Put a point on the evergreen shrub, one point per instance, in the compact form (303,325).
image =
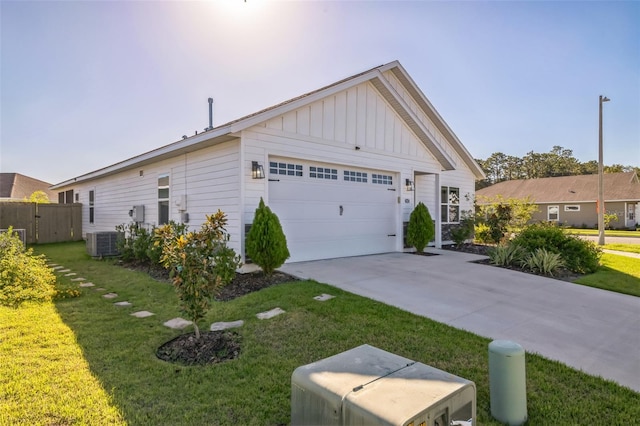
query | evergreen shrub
(421,229)
(266,243)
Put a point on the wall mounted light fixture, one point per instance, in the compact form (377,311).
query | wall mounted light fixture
(257,171)
(409,184)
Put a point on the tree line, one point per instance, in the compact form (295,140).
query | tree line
(557,162)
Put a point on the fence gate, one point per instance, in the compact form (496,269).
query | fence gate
(44,223)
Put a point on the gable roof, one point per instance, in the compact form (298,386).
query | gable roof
(567,189)
(228,131)
(16,186)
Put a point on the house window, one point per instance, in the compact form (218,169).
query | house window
(163,199)
(553,213)
(381,179)
(351,176)
(65,197)
(286,169)
(92,196)
(572,208)
(449,204)
(323,173)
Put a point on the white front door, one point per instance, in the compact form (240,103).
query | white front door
(329,211)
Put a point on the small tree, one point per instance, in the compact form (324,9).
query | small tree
(200,264)
(266,242)
(40,197)
(421,229)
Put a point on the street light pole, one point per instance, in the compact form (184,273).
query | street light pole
(600,175)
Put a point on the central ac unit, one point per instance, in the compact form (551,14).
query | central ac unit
(101,244)
(369,386)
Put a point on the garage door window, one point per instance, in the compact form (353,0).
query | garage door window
(286,169)
(381,179)
(351,176)
(323,173)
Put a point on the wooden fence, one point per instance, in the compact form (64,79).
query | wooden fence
(44,223)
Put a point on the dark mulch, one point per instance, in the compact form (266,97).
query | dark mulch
(247,283)
(211,348)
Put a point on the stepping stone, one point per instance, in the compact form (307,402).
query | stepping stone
(270,314)
(218,326)
(70,274)
(323,297)
(142,314)
(99,288)
(63,270)
(87,285)
(51,265)
(110,295)
(177,323)
(123,304)
(78,279)
(55,268)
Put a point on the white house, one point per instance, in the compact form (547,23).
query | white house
(342,167)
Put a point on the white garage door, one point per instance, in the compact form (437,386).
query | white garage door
(329,211)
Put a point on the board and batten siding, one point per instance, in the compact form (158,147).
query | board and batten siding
(426,121)
(209,177)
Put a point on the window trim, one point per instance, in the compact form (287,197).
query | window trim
(557,207)
(574,208)
(162,201)
(444,202)
(92,200)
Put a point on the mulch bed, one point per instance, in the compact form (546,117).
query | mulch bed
(211,348)
(562,274)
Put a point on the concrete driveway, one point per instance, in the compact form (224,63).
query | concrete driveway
(589,329)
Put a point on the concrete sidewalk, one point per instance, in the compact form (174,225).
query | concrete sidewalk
(589,329)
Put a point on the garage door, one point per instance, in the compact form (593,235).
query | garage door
(329,211)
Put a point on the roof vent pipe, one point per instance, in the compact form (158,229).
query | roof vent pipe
(210,114)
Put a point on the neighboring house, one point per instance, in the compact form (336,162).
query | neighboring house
(572,200)
(17,187)
(342,167)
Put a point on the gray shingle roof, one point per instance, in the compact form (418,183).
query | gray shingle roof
(581,188)
(16,186)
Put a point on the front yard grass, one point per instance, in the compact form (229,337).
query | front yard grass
(607,232)
(630,248)
(616,273)
(112,357)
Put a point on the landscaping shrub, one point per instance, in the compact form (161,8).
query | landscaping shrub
(200,264)
(134,242)
(266,243)
(420,229)
(23,275)
(542,262)
(502,217)
(506,255)
(579,255)
(461,233)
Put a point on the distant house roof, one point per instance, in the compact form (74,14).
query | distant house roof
(229,131)
(567,189)
(14,186)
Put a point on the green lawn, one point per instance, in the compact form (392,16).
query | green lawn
(98,362)
(617,273)
(607,232)
(631,248)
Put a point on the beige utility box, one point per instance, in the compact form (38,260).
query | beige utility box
(369,386)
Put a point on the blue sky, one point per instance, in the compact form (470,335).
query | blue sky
(85,84)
